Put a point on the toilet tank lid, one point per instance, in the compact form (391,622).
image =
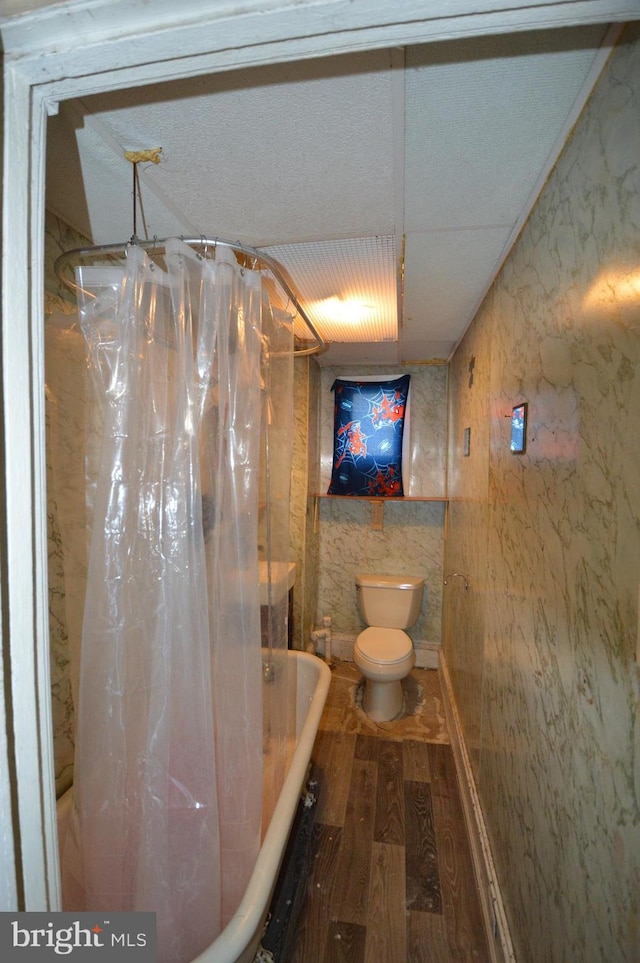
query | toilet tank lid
(390,581)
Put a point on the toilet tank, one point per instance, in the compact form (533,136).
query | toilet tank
(391,601)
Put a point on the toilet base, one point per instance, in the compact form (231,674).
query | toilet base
(382,701)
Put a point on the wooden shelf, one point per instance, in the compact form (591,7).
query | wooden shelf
(389,499)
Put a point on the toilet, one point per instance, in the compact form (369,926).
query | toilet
(384,652)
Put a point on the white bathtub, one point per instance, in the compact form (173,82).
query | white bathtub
(240,939)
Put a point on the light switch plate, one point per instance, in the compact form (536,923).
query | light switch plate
(377,515)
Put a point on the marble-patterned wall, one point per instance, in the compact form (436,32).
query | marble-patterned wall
(304,541)
(466,545)
(411,541)
(541,647)
(65,384)
(312,541)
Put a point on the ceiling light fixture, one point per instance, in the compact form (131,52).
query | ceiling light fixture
(362,272)
(348,311)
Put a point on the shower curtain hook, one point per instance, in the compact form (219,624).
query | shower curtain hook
(294,305)
(240,253)
(152,264)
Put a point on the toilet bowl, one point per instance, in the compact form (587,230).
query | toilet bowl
(383,652)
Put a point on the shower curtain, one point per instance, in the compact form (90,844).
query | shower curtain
(168,771)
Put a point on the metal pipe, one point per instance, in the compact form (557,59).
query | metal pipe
(262,261)
(457,575)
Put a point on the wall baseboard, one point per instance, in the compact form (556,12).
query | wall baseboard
(495,920)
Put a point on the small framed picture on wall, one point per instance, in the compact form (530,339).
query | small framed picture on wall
(519,428)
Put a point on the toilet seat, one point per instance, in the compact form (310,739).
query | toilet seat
(381,645)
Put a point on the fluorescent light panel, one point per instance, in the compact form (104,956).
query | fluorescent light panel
(346,286)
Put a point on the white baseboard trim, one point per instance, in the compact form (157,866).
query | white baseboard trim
(495,920)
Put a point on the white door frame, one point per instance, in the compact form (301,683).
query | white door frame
(74,49)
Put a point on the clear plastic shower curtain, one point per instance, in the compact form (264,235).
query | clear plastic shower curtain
(275,480)
(168,768)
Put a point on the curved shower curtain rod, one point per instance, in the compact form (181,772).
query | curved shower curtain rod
(157,245)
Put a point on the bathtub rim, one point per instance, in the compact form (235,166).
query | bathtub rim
(232,941)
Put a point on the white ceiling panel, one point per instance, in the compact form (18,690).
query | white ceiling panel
(90,185)
(438,149)
(425,352)
(287,153)
(482,120)
(363,353)
(449,272)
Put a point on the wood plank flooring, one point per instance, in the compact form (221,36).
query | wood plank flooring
(392,879)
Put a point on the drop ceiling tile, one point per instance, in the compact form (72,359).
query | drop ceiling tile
(482,118)
(90,187)
(447,272)
(285,153)
(423,351)
(359,354)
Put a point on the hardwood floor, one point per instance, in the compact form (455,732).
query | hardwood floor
(391,879)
